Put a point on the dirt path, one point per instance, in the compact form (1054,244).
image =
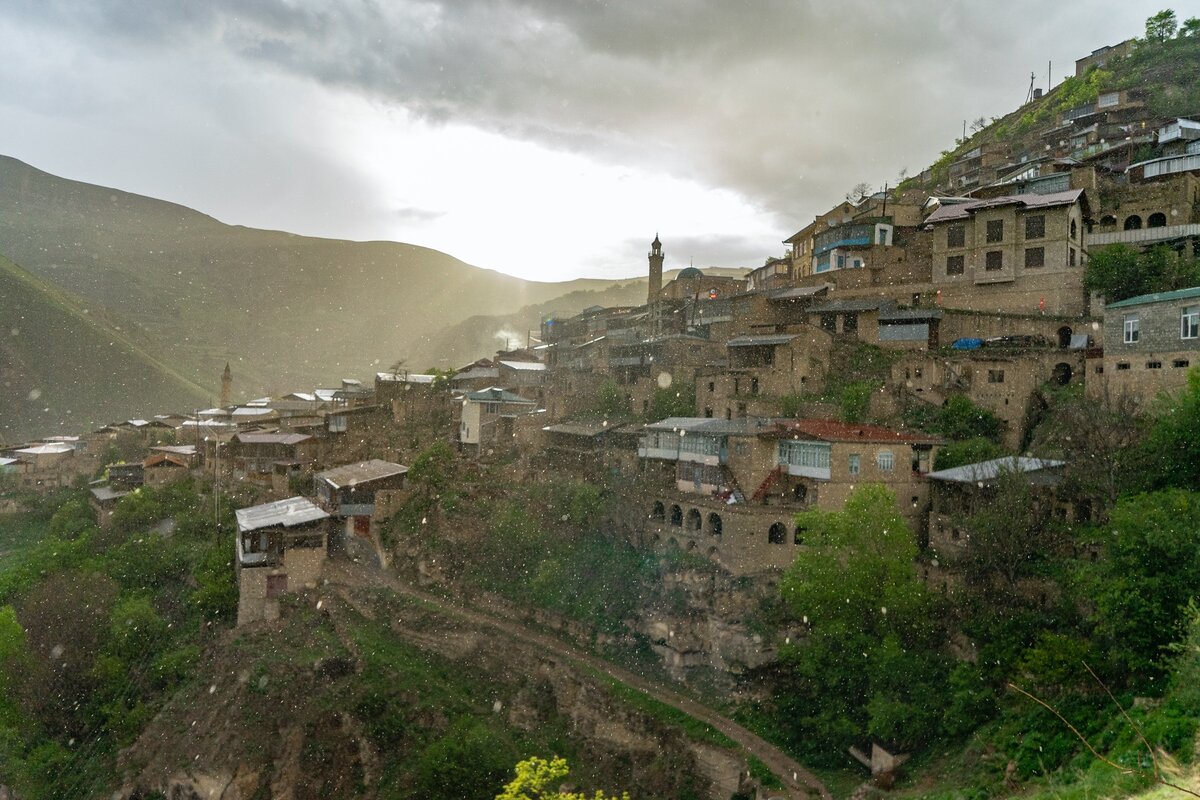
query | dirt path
(800,783)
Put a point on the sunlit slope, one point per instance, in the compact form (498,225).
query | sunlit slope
(63,369)
(286,311)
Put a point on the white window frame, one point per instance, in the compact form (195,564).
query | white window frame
(885,460)
(1131,328)
(854,463)
(1189,322)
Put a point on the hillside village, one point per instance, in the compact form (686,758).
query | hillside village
(733,399)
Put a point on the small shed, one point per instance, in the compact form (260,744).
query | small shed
(280,547)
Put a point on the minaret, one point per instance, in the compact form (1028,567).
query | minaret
(656,265)
(226,386)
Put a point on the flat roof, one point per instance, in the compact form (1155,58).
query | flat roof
(271,438)
(755,341)
(363,471)
(836,431)
(287,513)
(989,470)
(531,366)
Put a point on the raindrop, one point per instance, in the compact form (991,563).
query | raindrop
(212,689)
(34,394)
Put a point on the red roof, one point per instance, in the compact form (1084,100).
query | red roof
(830,430)
(165,458)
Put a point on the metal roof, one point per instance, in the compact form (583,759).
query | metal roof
(989,470)
(106,493)
(907,314)
(494,395)
(411,377)
(363,471)
(287,513)
(678,424)
(852,304)
(1157,297)
(272,438)
(755,341)
(533,366)
(589,429)
(46,449)
(476,372)
(797,291)
(959,211)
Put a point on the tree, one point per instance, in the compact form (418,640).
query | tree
(677,400)
(1190,27)
(871,664)
(538,779)
(1144,584)
(1161,26)
(978,124)
(859,192)
(1171,450)
(611,403)
(968,451)
(1119,271)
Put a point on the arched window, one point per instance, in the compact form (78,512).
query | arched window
(1074,229)
(1108,221)
(1157,220)
(1133,223)
(714,524)
(659,512)
(777,534)
(676,515)
(693,520)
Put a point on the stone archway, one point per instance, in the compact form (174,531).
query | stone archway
(777,534)
(715,525)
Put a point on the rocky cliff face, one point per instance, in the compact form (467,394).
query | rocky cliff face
(278,713)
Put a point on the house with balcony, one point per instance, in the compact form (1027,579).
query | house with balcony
(253,455)
(279,548)
(488,418)
(844,246)
(350,492)
(1151,342)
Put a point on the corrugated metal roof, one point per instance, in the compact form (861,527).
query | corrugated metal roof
(756,341)
(1157,297)
(909,314)
(105,493)
(678,424)
(989,470)
(46,449)
(530,366)
(797,291)
(272,438)
(287,513)
(363,471)
(411,377)
(948,213)
(247,411)
(852,304)
(4,462)
(476,372)
(494,395)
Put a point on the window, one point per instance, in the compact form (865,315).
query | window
(1099,370)
(917,372)
(954,265)
(956,236)
(1122,365)
(1072,258)
(1180,363)
(708,412)
(995,230)
(1074,229)
(1035,257)
(1153,365)
(1131,328)
(884,460)
(994,260)
(841,262)
(712,386)
(1035,227)
(754,386)
(849,322)
(995,376)
(1189,322)
(1157,220)
(855,463)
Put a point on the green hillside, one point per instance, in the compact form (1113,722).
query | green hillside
(287,311)
(63,369)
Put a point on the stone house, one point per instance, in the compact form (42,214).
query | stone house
(1151,342)
(763,368)
(280,548)
(349,491)
(161,469)
(252,455)
(957,493)
(1012,254)
(487,419)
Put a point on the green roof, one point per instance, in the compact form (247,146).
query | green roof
(1157,297)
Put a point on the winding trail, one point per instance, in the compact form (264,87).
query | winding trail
(798,781)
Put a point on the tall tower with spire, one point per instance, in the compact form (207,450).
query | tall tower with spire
(226,386)
(656,265)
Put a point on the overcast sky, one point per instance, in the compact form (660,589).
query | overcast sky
(544,138)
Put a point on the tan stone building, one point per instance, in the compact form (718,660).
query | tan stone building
(280,548)
(1012,254)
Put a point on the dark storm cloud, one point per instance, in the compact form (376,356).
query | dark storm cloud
(789,103)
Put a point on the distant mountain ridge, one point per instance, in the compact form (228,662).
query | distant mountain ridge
(63,370)
(287,311)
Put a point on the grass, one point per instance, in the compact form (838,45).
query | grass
(693,728)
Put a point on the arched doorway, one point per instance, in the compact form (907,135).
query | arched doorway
(1133,223)
(693,520)
(799,492)
(1064,336)
(1062,373)
(715,525)
(777,534)
(1157,220)
(659,512)
(676,515)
